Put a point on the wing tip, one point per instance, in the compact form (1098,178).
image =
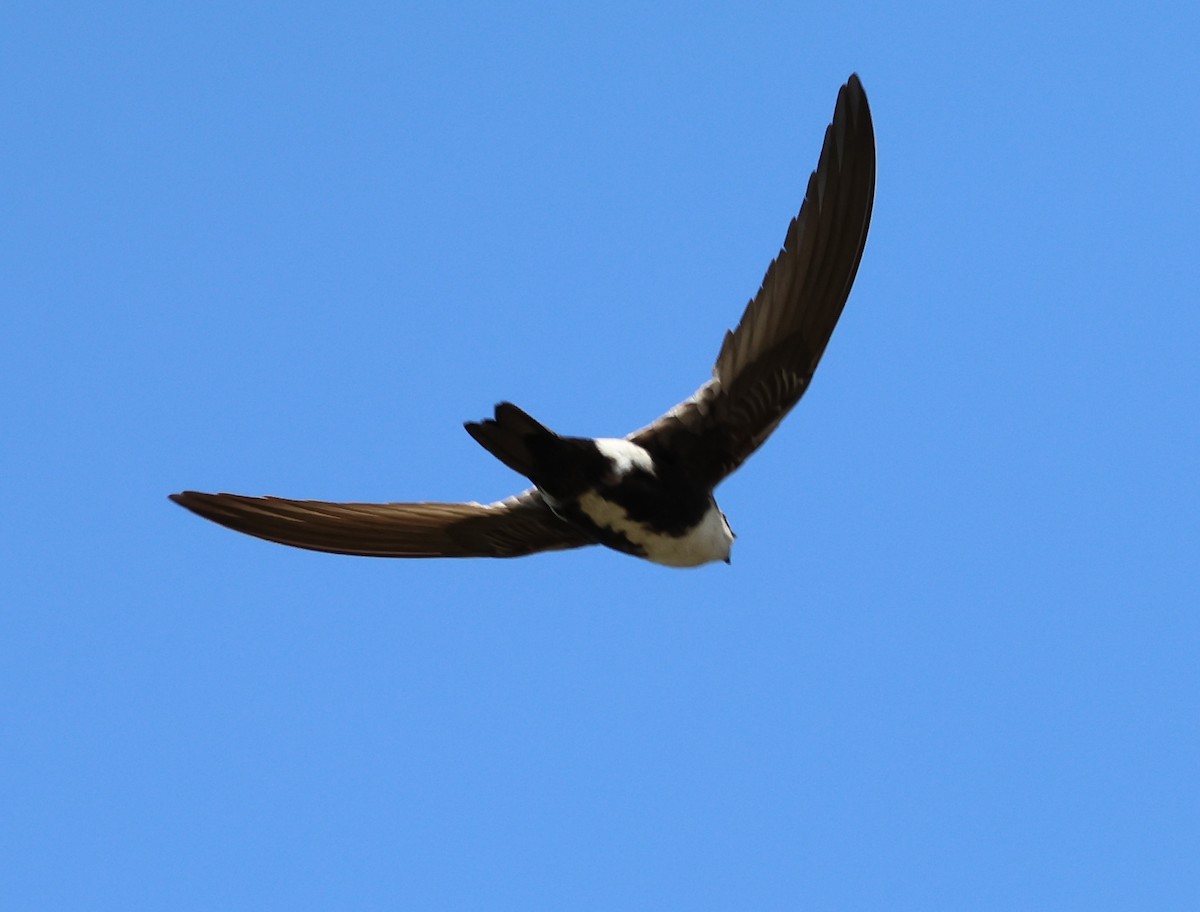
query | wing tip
(855,98)
(191,500)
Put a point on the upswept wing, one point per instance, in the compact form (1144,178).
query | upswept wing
(508,528)
(765,365)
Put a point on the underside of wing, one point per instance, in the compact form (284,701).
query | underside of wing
(509,528)
(765,365)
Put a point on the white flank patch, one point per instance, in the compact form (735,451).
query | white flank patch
(624,455)
(710,541)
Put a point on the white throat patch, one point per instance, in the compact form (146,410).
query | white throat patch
(710,540)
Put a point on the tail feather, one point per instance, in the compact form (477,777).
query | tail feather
(514,438)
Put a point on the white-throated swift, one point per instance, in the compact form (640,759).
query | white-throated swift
(649,494)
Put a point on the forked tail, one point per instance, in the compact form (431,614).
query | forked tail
(517,440)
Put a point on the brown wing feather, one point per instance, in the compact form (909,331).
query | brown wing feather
(765,365)
(509,528)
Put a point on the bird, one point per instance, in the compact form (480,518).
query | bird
(649,494)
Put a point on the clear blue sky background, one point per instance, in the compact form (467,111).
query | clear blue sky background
(288,248)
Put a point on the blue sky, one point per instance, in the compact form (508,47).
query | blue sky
(287,249)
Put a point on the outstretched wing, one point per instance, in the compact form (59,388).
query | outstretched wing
(508,528)
(765,365)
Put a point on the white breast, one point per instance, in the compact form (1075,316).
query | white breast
(711,539)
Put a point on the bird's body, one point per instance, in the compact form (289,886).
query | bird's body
(612,489)
(679,526)
(649,494)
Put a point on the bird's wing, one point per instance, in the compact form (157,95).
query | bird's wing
(508,528)
(765,365)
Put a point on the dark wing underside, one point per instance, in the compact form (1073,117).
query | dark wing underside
(765,365)
(509,528)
